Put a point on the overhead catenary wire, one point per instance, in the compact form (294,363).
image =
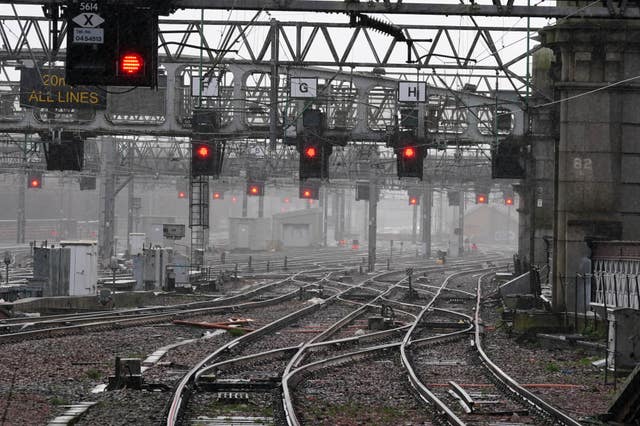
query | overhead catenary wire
(590,92)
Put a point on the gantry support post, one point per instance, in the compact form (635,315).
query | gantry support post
(461,223)
(427,200)
(108,157)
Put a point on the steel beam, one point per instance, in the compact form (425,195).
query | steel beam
(324,6)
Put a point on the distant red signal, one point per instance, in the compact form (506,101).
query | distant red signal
(413,201)
(481,199)
(234,199)
(255,189)
(310,152)
(217,196)
(182,194)
(508,201)
(409,152)
(34,180)
(203,151)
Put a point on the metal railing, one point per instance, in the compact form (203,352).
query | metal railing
(615,289)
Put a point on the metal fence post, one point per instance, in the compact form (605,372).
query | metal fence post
(575,306)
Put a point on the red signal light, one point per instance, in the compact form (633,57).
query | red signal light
(508,201)
(306,193)
(203,151)
(182,194)
(409,152)
(131,64)
(34,183)
(286,200)
(254,190)
(234,199)
(216,195)
(413,201)
(310,152)
(481,199)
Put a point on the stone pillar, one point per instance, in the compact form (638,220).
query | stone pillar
(597,162)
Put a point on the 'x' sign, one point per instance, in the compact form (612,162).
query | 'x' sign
(88,20)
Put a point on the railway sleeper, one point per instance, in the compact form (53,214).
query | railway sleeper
(210,383)
(441,325)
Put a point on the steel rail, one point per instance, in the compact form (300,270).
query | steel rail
(424,392)
(122,321)
(294,377)
(291,417)
(287,397)
(514,387)
(182,390)
(135,321)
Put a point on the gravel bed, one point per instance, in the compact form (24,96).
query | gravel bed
(332,351)
(50,373)
(291,335)
(456,361)
(580,390)
(374,392)
(255,370)
(177,361)
(422,330)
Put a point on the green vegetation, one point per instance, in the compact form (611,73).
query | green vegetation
(552,368)
(586,361)
(236,332)
(94,374)
(59,401)
(592,333)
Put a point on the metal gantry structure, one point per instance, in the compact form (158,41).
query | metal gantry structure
(358,71)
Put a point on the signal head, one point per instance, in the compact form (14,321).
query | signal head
(34,183)
(413,201)
(508,201)
(481,199)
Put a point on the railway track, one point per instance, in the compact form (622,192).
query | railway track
(449,402)
(333,281)
(203,375)
(16,329)
(453,373)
